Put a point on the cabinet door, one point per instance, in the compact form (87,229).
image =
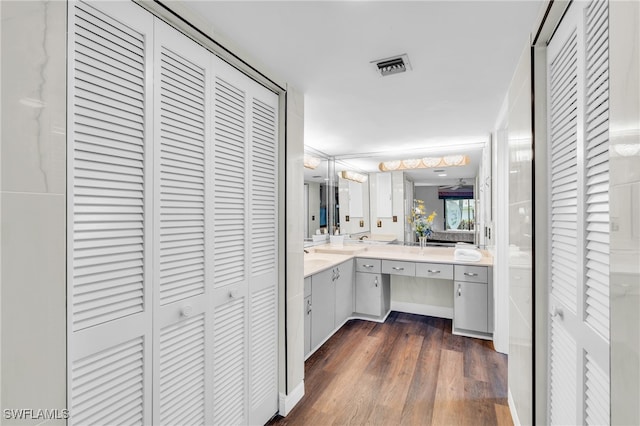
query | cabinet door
(369,294)
(470,306)
(384,203)
(307,325)
(323,301)
(344,292)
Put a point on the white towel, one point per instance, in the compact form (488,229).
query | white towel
(467,255)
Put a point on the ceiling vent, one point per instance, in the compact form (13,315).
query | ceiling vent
(393,65)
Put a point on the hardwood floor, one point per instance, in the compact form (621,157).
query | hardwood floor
(408,371)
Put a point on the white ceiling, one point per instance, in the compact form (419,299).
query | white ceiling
(462,54)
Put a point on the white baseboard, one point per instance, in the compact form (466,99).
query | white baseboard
(287,402)
(512,409)
(420,309)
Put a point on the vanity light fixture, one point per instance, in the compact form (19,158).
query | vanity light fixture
(354,176)
(425,163)
(311,162)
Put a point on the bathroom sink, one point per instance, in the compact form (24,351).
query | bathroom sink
(348,250)
(317,262)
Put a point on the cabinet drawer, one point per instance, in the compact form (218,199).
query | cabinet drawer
(434,270)
(368,265)
(396,267)
(475,274)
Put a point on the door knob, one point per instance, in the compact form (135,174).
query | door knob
(557,312)
(187,311)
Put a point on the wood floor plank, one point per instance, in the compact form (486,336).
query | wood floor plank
(394,385)
(475,361)
(336,396)
(418,407)
(409,370)
(448,407)
(503,415)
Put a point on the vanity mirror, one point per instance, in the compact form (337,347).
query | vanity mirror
(350,193)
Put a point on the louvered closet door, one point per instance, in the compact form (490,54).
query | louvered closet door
(245,358)
(230,250)
(182,253)
(109,221)
(263,255)
(579,217)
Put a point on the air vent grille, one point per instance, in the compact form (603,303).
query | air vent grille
(393,65)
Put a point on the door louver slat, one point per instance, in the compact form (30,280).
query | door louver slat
(562,388)
(182,179)
(597,410)
(107,387)
(182,372)
(597,170)
(263,189)
(108,170)
(564,202)
(264,359)
(229,188)
(229,338)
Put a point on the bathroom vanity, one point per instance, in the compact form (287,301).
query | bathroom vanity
(368,281)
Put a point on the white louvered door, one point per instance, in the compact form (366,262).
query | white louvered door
(263,255)
(230,227)
(245,127)
(172,221)
(579,217)
(183,194)
(109,215)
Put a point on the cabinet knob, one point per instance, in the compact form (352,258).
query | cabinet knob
(233,294)
(368,266)
(459,290)
(308,307)
(397,269)
(433,271)
(471,274)
(376,281)
(187,311)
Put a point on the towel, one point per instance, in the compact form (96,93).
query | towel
(467,255)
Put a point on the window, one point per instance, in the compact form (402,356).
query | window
(459,214)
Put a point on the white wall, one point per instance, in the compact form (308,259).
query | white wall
(294,255)
(33,206)
(429,194)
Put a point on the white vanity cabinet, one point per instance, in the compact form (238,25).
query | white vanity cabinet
(331,301)
(323,306)
(372,289)
(473,301)
(344,292)
(307,309)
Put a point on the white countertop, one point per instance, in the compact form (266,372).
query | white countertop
(327,256)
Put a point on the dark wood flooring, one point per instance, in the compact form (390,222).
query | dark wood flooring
(408,371)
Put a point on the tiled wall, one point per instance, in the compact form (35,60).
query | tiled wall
(519,139)
(624,121)
(33,205)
